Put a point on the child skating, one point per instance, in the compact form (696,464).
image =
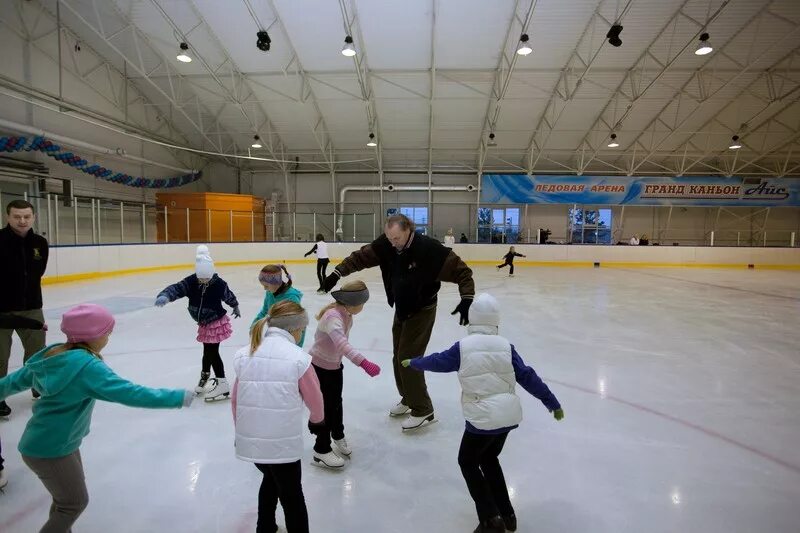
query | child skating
(508,260)
(274,378)
(321,249)
(488,368)
(331,344)
(206,292)
(277,290)
(70,378)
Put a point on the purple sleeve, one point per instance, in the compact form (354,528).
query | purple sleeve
(446,361)
(531,382)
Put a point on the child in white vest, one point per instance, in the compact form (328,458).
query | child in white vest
(488,367)
(274,377)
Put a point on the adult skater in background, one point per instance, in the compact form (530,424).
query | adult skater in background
(413,267)
(321,249)
(24,260)
(449,238)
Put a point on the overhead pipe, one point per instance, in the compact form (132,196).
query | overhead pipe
(392,188)
(116,152)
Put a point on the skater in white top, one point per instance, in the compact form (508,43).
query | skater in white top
(321,249)
(449,238)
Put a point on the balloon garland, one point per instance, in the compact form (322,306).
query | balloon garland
(49,148)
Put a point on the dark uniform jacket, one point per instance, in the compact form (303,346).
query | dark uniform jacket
(412,278)
(23,261)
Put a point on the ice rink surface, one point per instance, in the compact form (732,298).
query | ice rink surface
(681,389)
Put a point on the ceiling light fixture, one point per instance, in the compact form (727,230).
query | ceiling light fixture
(704,47)
(491,142)
(256,142)
(183,53)
(613,35)
(613,142)
(348,50)
(524,48)
(263,41)
(371,142)
(735,144)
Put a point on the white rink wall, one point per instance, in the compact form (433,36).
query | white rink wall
(68,263)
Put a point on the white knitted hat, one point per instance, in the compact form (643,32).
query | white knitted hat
(484,311)
(203,264)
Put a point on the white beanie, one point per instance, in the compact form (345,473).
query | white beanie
(484,311)
(203,264)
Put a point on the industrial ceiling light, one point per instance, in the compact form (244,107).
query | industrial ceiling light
(371,142)
(735,144)
(704,47)
(491,142)
(183,53)
(263,41)
(348,50)
(613,35)
(256,142)
(612,143)
(524,48)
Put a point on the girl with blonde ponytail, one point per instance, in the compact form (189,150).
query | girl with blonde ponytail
(274,378)
(277,290)
(331,345)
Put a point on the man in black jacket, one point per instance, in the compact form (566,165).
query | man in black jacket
(24,260)
(412,267)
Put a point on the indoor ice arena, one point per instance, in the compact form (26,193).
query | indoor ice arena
(400,266)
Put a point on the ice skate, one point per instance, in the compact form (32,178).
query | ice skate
(3,480)
(510,521)
(220,390)
(493,525)
(399,410)
(327,460)
(201,385)
(5,410)
(342,447)
(416,422)
(511,275)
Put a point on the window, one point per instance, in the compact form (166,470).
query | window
(418,215)
(498,225)
(590,225)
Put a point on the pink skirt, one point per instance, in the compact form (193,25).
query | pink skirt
(216,331)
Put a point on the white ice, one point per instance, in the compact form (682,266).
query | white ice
(681,389)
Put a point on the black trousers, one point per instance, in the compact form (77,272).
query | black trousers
(330,383)
(322,270)
(410,338)
(281,482)
(478,459)
(509,264)
(211,358)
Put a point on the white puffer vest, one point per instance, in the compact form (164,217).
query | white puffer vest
(269,408)
(487,382)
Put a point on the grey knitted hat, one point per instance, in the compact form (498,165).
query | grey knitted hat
(351,298)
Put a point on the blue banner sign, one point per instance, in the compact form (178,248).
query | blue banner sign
(618,190)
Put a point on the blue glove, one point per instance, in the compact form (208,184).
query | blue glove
(162,300)
(236,312)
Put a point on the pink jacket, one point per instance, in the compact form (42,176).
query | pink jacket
(331,342)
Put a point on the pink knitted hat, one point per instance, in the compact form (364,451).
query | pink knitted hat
(86,322)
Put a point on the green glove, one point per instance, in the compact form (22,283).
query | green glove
(406,362)
(558,414)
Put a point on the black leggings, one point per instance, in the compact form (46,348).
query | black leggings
(211,358)
(322,270)
(481,469)
(282,482)
(509,264)
(330,384)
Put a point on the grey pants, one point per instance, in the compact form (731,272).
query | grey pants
(32,339)
(410,340)
(63,479)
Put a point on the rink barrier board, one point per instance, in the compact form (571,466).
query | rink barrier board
(77,263)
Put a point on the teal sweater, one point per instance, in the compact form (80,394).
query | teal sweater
(70,383)
(291,294)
